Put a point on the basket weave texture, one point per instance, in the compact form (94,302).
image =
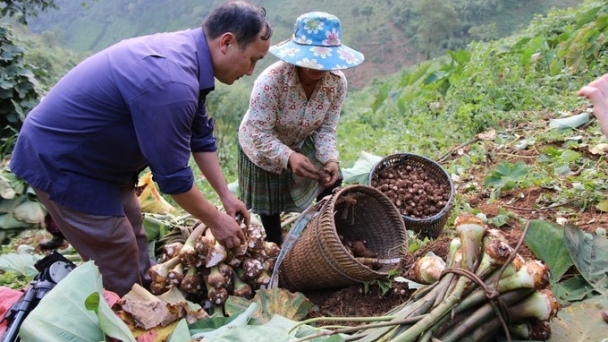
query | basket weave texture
(319,259)
(433,225)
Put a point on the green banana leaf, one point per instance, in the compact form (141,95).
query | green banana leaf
(62,314)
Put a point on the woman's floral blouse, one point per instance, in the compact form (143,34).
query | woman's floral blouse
(280,117)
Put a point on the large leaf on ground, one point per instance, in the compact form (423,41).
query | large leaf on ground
(572,290)
(546,240)
(278,328)
(581,321)
(21,264)
(62,315)
(277,301)
(589,255)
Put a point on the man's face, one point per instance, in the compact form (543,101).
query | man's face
(239,62)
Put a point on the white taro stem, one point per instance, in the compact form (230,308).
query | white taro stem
(455,245)
(533,274)
(471,230)
(159,272)
(541,305)
(187,253)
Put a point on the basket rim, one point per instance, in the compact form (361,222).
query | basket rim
(447,207)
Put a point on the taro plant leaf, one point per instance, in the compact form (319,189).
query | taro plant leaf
(19,264)
(589,256)
(181,332)
(580,321)
(108,321)
(546,240)
(278,328)
(73,322)
(602,206)
(6,190)
(572,290)
(506,175)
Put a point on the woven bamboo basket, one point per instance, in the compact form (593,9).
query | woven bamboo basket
(433,225)
(319,259)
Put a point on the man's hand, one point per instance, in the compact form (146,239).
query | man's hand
(302,166)
(227,231)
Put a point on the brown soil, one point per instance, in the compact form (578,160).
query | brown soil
(521,203)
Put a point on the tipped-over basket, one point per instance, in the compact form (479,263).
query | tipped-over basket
(430,226)
(319,258)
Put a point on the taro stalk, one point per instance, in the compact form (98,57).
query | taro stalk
(252,269)
(159,272)
(226,271)
(192,282)
(171,250)
(176,275)
(215,278)
(272,249)
(533,275)
(262,281)
(216,254)
(541,305)
(471,231)
(241,289)
(463,323)
(188,254)
(217,296)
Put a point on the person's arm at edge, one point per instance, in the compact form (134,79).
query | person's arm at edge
(209,165)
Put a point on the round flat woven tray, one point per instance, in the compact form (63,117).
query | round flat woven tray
(319,259)
(433,225)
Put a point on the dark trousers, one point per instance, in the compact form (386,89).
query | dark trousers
(117,244)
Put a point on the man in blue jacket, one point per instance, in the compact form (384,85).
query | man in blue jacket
(139,103)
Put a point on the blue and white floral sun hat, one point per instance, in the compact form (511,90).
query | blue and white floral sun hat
(316,44)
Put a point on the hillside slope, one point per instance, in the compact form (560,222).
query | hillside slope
(385,31)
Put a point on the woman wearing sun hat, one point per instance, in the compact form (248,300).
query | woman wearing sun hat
(287,138)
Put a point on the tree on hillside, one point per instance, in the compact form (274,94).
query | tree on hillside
(22,9)
(19,88)
(438,19)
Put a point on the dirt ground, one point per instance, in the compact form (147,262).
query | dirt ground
(352,301)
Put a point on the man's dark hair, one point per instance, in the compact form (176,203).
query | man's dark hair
(244,20)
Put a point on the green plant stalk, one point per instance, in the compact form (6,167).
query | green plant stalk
(348,330)
(187,253)
(531,276)
(409,309)
(442,291)
(415,331)
(541,305)
(451,260)
(471,322)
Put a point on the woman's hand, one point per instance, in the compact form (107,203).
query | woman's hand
(302,166)
(330,173)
